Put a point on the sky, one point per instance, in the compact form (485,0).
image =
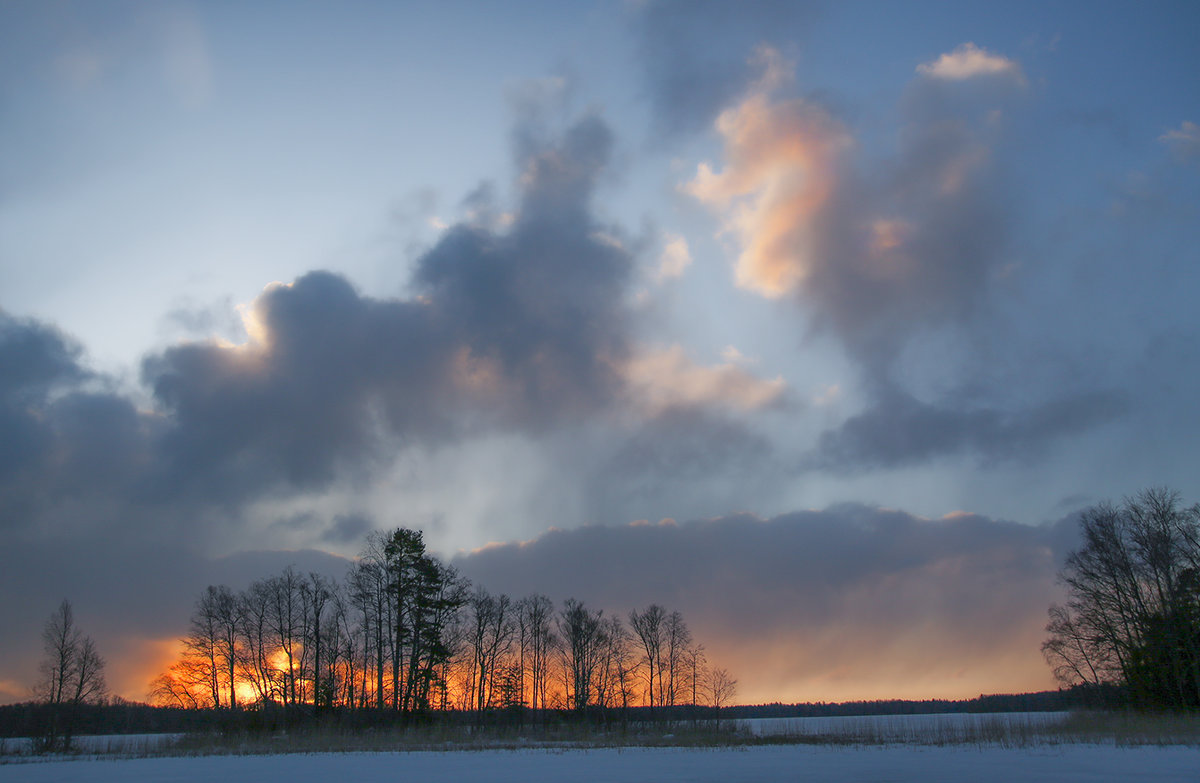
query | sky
(816,321)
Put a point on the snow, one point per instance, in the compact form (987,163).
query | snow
(1071,763)
(922,729)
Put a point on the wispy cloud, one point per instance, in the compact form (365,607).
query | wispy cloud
(1184,141)
(969,61)
(674,259)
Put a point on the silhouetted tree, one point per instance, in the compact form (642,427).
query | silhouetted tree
(649,628)
(676,641)
(1132,615)
(536,613)
(582,634)
(72,674)
(721,689)
(317,594)
(492,631)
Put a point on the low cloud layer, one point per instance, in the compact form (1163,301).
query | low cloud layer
(851,602)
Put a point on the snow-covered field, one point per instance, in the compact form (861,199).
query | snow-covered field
(776,763)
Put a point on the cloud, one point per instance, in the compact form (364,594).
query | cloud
(898,430)
(780,173)
(887,255)
(515,326)
(1184,141)
(850,602)
(666,378)
(875,258)
(322,366)
(62,443)
(674,260)
(538,311)
(969,61)
(694,53)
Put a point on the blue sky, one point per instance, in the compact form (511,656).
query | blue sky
(275,274)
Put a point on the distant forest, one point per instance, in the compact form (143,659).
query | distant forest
(119,717)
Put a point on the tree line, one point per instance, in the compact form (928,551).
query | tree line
(1131,619)
(404,632)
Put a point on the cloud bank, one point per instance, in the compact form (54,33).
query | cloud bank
(851,602)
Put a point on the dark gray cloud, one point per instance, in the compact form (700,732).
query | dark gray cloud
(697,53)
(520,325)
(514,323)
(305,399)
(34,360)
(899,430)
(769,597)
(64,440)
(538,309)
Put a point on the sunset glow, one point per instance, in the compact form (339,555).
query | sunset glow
(866,303)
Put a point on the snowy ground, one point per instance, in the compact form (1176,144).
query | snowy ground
(779,763)
(921,729)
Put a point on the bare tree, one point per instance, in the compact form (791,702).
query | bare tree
(492,632)
(677,639)
(648,626)
(694,656)
(1132,615)
(536,613)
(721,689)
(582,632)
(72,675)
(211,645)
(184,685)
(317,594)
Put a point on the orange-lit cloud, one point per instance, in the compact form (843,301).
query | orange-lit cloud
(781,163)
(878,251)
(661,379)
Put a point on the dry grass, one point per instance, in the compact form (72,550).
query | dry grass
(460,738)
(1122,729)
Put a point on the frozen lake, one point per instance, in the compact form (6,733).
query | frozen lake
(782,763)
(949,727)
